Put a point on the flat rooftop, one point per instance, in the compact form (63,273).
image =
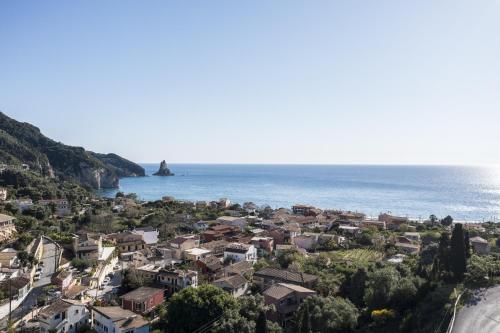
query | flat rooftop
(106,253)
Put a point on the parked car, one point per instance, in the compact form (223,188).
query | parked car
(105,282)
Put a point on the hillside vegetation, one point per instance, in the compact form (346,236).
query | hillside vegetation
(23,143)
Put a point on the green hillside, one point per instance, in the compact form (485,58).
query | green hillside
(23,143)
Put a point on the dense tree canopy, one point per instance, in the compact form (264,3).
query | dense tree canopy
(447,221)
(248,316)
(326,314)
(192,308)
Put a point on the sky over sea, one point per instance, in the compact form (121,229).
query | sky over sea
(319,82)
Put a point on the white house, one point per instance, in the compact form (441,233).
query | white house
(114,319)
(175,280)
(195,254)
(149,234)
(240,252)
(62,206)
(24,204)
(250,207)
(201,225)
(224,203)
(63,315)
(413,236)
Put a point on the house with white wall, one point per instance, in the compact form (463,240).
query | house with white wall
(114,319)
(149,234)
(240,252)
(63,315)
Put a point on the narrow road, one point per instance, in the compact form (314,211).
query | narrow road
(49,265)
(481,314)
(115,282)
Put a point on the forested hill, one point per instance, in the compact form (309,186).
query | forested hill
(22,143)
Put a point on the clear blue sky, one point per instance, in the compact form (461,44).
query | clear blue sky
(259,81)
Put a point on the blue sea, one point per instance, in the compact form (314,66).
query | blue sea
(466,193)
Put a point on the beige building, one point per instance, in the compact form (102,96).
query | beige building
(8,258)
(127,241)
(183,243)
(87,246)
(7,227)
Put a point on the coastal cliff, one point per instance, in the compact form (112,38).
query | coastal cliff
(163,170)
(121,166)
(22,144)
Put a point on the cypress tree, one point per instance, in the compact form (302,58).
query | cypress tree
(434,274)
(467,244)
(444,251)
(357,287)
(261,324)
(458,260)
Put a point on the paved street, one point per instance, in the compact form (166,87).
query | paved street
(49,262)
(49,251)
(481,315)
(115,282)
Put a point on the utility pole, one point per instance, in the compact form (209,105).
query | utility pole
(10,300)
(56,257)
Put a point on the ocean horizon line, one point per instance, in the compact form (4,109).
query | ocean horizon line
(329,164)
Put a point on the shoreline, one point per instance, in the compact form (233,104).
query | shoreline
(370,217)
(468,194)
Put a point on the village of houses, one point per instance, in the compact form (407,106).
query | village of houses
(221,252)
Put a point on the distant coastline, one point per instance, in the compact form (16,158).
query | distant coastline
(467,193)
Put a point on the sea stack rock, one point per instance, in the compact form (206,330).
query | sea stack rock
(163,170)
